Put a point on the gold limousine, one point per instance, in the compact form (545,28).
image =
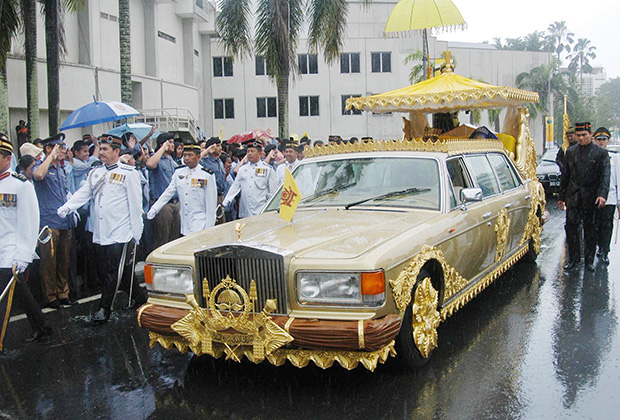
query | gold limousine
(390,239)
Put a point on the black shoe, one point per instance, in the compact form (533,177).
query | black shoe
(38,335)
(101,316)
(604,259)
(55,304)
(67,302)
(590,266)
(570,266)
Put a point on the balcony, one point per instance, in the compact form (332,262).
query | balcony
(178,120)
(199,10)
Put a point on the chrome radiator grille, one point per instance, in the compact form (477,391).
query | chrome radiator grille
(244,264)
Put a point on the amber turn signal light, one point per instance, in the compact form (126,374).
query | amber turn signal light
(373,283)
(148,273)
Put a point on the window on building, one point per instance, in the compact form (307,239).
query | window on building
(308,63)
(308,106)
(266,107)
(381,62)
(350,63)
(166,36)
(351,111)
(224,108)
(261,65)
(222,66)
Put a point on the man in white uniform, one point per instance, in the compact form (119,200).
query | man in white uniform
(116,216)
(290,155)
(255,180)
(19,224)
(197,191)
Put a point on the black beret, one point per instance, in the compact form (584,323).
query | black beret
(213,140)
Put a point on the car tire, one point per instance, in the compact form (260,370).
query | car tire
(408,351)
(531,254)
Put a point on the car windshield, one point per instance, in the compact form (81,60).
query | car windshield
(346,181)
(549,155)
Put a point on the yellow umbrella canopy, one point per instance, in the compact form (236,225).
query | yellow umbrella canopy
(411,15)
(446,93)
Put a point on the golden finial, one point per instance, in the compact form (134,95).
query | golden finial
(238,228)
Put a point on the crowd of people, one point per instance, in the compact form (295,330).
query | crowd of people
(589,193)
(95,208)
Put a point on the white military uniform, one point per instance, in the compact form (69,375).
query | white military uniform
(19,220)
(197,193)
(282,169)
(116,212)
(256,182)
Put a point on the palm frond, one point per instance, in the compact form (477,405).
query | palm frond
(328,23)
(9,25)
(234,27)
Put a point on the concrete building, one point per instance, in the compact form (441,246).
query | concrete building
(180,72)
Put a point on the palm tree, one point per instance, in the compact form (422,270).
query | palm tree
(125,50)
(417,71)
(276,34)
(559,40)
(543,80)
(54,49)
(580,58)
(29,19)
(9,24)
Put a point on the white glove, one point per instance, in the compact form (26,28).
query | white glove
(137,241)
(63,211)
(21,265)
(151,214)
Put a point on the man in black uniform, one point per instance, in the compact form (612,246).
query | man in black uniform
(570,136)
(583,189)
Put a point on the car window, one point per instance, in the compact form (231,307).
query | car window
(340,182)
(458,178)
(481,171)
(507,178)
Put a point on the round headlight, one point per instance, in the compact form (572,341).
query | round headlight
(309,288)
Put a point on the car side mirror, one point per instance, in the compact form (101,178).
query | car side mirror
(470,195)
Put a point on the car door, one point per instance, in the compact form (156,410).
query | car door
(468,244)
(515,198)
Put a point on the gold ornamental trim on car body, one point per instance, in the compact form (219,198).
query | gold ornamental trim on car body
(533,227)
(230,320)
(502,227)
(425,317)
(451,146)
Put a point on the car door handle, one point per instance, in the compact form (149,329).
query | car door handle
(507,206)
(487,215)
(527,197)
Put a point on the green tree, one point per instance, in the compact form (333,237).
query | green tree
(583,51)
(276,35)
(9,25)
(29,19)
(124,32)
(559,40)
(416,74)
(546,82)
(608,104)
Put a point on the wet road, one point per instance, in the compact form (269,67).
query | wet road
(537,344)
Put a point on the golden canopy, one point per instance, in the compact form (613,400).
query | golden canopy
(448,92)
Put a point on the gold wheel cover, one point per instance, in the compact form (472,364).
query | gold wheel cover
(425,317)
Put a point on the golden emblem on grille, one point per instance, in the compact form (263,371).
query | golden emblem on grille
(230,320)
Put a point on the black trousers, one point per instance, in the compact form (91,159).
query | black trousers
(23,298)
(109,258)
(587,217)
(604,227)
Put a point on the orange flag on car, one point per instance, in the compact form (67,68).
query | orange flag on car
(291,196)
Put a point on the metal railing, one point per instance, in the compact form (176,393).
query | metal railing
(170,119)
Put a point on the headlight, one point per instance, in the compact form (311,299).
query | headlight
(169,279)
(542,176)
(341,288)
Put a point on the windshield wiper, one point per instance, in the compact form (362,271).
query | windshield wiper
(408,191)
(326,191)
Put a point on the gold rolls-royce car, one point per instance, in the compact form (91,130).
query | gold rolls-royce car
(390,238)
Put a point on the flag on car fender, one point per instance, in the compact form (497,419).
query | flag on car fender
(291,196)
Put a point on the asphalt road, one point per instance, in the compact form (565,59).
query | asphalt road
(536,344)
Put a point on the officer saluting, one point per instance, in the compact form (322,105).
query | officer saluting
(583,189)
(19,224)
(255,180)
(116,216)
(197,191)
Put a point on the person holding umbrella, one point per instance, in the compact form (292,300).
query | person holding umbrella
(19,223)
(117,220)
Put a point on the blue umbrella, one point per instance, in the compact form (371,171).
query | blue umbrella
(140,130)
(98,112)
